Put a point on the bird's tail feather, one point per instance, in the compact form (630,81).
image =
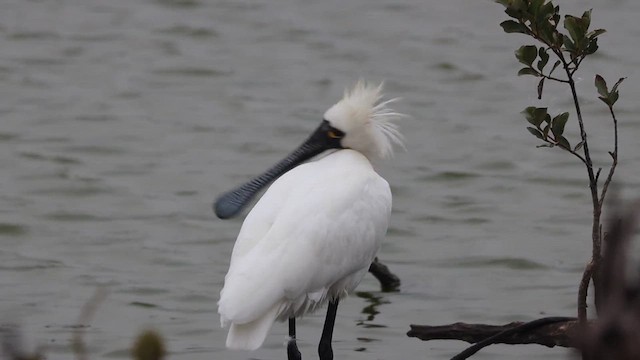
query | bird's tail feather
(250,336)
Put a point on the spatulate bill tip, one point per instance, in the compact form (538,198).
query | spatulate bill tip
(225,209)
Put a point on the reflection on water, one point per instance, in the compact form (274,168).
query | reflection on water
(371,310)
(374,300)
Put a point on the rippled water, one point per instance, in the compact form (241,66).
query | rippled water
(120,122)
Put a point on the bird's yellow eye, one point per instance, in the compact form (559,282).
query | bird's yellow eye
(334,135)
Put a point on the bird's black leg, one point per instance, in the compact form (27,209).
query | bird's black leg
(324,348)
(292,349)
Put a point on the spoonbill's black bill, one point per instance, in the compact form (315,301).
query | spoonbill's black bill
(314,233)
(231,203)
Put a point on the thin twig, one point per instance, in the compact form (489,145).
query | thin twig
(596,253)
(573,71)
(519,329)
(584,161)
(554,78)
(85,317)
(614,156)
(583,134)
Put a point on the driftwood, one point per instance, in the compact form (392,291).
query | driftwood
(549,332)
(388,281)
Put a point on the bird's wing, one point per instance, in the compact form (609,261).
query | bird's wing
(316,225)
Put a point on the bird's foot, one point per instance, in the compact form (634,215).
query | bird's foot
(292,350)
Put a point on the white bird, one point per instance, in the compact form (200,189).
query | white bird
(313,235)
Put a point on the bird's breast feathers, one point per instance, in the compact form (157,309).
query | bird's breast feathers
(338,193)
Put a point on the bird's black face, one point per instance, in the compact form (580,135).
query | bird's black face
(325,137)
(328,135)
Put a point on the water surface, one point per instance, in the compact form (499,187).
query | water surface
(121,121)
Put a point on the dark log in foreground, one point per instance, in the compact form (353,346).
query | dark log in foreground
(616,334)
(388,281)
(547,331)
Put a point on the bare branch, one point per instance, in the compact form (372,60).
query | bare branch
(549,332)
(584,161)
(554,78)
(388,281)
(614,157)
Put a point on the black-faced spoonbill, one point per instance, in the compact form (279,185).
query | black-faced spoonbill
(314,233)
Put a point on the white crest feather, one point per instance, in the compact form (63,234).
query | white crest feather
(367,121)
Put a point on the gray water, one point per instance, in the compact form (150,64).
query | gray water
(120,122)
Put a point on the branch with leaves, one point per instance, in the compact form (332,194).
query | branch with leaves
(540,20)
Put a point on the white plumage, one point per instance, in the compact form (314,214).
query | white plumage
(314,233)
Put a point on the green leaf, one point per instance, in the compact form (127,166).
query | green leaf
(556,15)
(577,28)
(544,58)
(601,86)
(534,6)
(572,26)
(558,39)
(514,8)
(540,112)
(568,44)
(535,116)
(615,87)
(528,71)
(586,21)
(545,132)
(555,65)
(510,26)
(527,54)
(518,4)
(535,132)
(516,14)
(558,124)
(605,100)
(540,115)
(529,114)
(592,47)
(608,97)
(548,11)
(540,86)
(595,33)
(564,142)
(578,146)
(546,30)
